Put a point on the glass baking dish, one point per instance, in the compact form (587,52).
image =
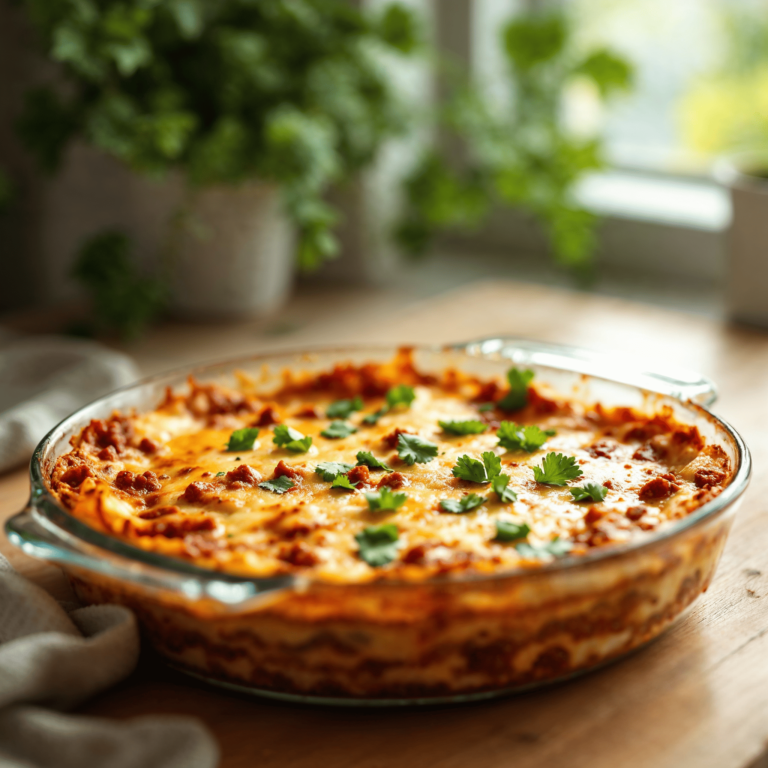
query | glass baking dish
(448,639)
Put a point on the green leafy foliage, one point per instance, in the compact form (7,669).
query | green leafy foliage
(476,471)
(338,429)
(343,409)
(342,481)
(413,449)
(291,439)
(123,300)
(373,418)
(330,470)
(517,438)
(555,548)
(464,504)
(378,544)
(500,485)
(278,485)
(517,397)
(367,459)
(385,500)
(522,157)
(289,92)
(509,531)
(243,439)
(557,469)
(593,491)
(468,427)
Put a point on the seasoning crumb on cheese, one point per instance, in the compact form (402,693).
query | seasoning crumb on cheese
(379,471)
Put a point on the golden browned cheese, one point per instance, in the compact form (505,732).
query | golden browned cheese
(165,481)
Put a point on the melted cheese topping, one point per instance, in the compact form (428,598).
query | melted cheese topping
(131,477)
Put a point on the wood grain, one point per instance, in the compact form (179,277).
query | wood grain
(698,696)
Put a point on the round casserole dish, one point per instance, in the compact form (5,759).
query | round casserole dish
(392,643)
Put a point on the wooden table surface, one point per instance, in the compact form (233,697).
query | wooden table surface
(698,696)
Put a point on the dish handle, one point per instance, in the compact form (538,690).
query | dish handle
(38,536)
(679,383)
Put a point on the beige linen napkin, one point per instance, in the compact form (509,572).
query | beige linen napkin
(51,660)
(45,378)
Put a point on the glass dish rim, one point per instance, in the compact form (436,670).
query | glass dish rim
(61,521)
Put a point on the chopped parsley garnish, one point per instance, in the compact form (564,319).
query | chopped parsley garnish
(508,531)
(385,499)
(342,481)
(556,547)
(330,470)
(343,409)
(413,449)
(516,438)
(589,491)
(483,407)
(243,439)
(367,459)
(499,485)
(373,418)
(291,439)
(338,429)
(278,485)
(464,504)
(517,397)
(557,469)
(220,474)
(477,471)
(378,544)
(468,427)
(402,394)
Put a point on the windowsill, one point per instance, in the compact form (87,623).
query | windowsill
(692,204)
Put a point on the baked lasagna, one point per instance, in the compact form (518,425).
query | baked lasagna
(380,472)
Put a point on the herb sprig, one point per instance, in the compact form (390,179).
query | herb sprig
(291,439)
(476,471)
(557,469)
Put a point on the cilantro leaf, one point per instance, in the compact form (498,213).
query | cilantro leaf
(589,491)
(243,439)
(402,394)
(464,504)
(476,471)
(468,427)
(483,407)
(509,531)
(378,544)
(291,439)
(338,429)
(517,438)
(373,418)
(505,494)
(278,485)
(556,547)
(343,409)
(342,481)
(220,474)
(330,470)
(367,459)
(385,499)
(517,397)
(557,469)
(413,449)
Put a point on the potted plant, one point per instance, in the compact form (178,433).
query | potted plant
(518,156)
(234,119)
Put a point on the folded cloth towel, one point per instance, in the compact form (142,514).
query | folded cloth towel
(53,660)
(45,378)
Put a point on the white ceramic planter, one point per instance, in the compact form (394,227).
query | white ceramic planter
(747,268)
(231,249)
